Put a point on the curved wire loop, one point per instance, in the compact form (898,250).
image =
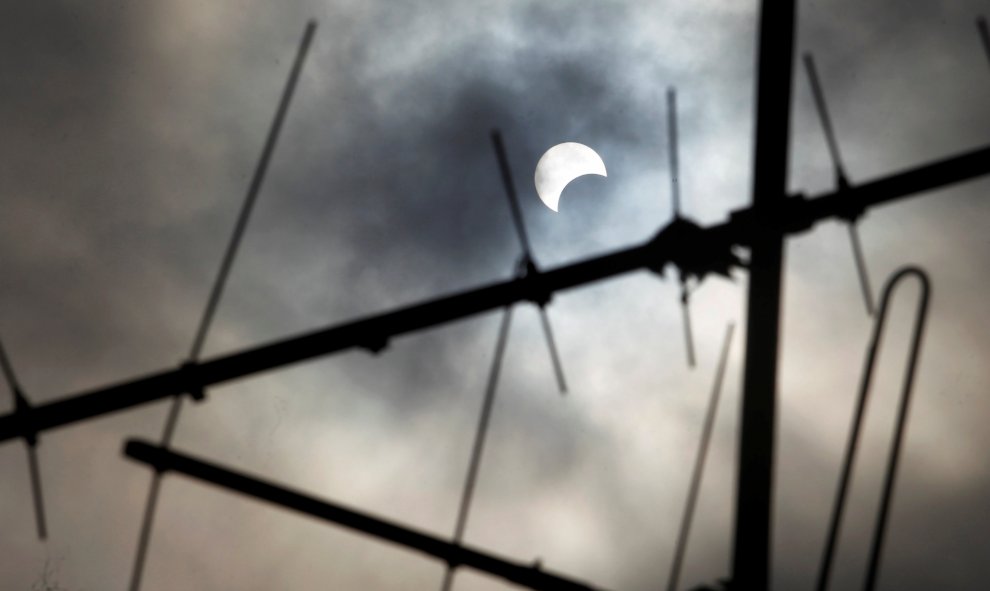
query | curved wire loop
(892,462)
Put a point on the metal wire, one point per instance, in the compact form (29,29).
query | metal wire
(699,465)
(852,445)
(217,291)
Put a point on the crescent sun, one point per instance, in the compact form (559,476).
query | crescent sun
(562,164)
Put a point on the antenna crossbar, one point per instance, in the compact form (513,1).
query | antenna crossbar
(797,214)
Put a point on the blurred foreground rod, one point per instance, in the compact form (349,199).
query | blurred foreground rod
(163,460)
(795,215)
(206,320)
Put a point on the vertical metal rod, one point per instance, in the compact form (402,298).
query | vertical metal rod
(866,379)
(479,439)
(675,197)
(751,555)
(864,277)
(902,413)
(675,192)
(221,280)
(699,465)
(981,26)
(30,443)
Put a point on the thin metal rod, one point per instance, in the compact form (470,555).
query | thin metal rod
(30,444)
(217,291)
(510,191)
(864,276)
(151,503)
(981,26)
(36,493)
(453,554)
(147,524)
(254,188)
(675,192)
(528,262)
(866,379)
(699,464)
(558,368)
(742,228)
(826,121)
(840,175)
(886,498)
(675,197)
(8,373)
(479,438)
(686,316)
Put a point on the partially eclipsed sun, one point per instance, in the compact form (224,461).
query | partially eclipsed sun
(562,164)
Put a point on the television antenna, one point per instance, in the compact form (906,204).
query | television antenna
(761,227)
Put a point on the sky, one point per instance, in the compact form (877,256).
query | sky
(130,134)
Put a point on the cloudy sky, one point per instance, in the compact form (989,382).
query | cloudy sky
(130,131)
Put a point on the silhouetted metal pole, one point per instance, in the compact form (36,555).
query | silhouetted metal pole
(799,214)
(751,557)
(531,576)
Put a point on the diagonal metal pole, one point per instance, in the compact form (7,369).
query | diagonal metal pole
(206,321)
(453,554)
(841,180)
(30,444)
(754,498)
(699,465)
(799,215)
(528,261)
(479,439)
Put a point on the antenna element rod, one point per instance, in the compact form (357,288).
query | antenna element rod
(675,192)
(221,280)
(699,465)
(479,438)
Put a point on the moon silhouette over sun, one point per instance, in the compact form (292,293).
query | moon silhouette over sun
(562,164)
